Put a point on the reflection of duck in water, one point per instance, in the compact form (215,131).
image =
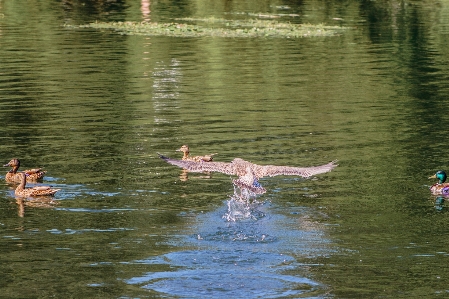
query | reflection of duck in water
(40,202)
(248,172)
(441,187)
(185,149)
(439,203)
(35,191)
(32,175)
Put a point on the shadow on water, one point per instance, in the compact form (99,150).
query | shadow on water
(247,254)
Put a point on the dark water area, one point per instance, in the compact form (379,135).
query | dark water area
(93,107)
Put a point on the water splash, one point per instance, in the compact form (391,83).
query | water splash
(252,254)
(242,205)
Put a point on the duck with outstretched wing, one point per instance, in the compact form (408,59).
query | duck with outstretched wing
(249,173)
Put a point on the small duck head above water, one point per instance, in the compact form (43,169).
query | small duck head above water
(185,149)
(440,175)
(14,163)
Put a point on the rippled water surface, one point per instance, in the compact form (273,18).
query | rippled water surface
(93,107)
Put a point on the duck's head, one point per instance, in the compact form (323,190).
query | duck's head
(440,175)
(184,149)
(13,163)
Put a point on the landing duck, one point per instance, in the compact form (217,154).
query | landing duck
(441,187)
(32,192)
(32,175)
(185,149)
(249,173)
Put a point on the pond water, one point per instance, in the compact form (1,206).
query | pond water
(93,107)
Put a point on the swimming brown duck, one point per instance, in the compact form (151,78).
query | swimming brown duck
(185,149)
(32,175)
(249,173)
(32,192)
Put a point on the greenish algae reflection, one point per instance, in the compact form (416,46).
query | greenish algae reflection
(229,28)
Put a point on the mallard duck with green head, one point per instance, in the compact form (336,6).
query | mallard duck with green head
(441,187)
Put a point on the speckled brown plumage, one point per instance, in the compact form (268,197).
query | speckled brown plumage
(250,182)
(32,175)
(185,149)
(248,172)
(35,191)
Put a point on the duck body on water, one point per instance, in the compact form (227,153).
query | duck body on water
(32,175)
(22,191)
(186,150)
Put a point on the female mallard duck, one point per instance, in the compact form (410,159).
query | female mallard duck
(35,191)
(32,175)
(249,173)
(185,149)
(440,187)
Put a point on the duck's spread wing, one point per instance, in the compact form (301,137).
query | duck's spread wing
(200,166)
(271,170)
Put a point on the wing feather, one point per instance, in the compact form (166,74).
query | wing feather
(41,188)
(271,170)
(200,166)
(33,171)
